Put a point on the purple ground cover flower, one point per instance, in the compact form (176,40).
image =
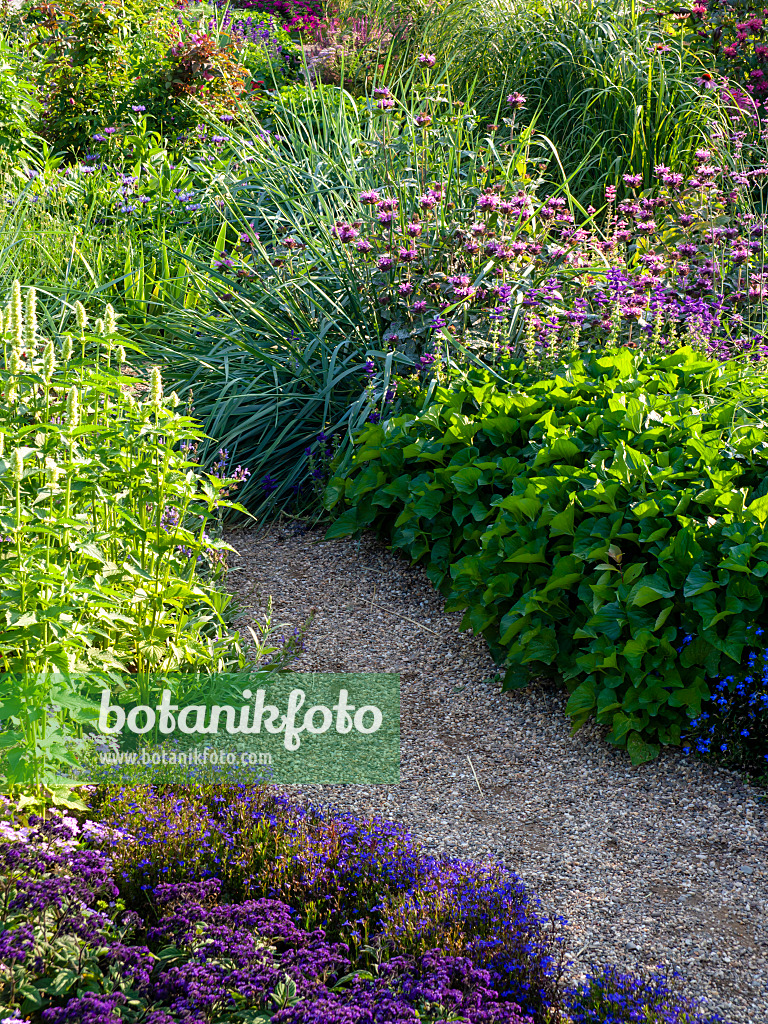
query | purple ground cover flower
(241,928)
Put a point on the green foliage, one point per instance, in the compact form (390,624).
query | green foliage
(615,90)
(109,555)
(586,522)
(18,106)
(83,65)
(96,60)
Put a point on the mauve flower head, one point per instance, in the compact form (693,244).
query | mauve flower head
(369,198)
(516,100)
(386,104)
(345,232)
(110,131)
(423,120)
(138,108)
(427,59)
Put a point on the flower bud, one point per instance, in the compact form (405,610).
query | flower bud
(156,387)
(49,362)
(16,317)
(17,466)
(66,351)
(52,471)
(82,316)
(110,319)
(73,408)
(30,320)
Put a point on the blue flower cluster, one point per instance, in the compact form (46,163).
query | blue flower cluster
(610,996)
(732,730)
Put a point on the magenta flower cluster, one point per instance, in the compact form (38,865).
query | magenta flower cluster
(735,32)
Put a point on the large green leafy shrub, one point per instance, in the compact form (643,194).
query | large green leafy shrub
(98,61)
(587,522)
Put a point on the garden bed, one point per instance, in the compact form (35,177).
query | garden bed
(488,279)
(663,862)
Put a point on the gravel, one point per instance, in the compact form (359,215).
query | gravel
(662,863)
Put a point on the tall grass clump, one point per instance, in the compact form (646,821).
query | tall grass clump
(615,90)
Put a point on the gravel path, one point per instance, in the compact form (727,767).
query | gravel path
(661,863)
